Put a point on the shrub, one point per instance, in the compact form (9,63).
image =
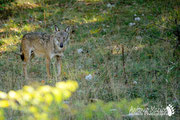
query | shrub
(46,103)
(39,103)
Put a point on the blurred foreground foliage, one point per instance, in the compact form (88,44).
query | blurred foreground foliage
(48,103)
(37,102)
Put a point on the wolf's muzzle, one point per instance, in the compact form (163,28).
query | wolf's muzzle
(61,45)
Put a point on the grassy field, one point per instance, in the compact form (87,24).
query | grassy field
(128,46)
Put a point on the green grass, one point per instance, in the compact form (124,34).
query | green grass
(151,68)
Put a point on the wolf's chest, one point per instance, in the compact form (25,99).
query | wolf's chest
(56,54)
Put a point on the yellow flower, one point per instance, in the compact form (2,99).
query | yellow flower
(48,98)
(28,89)
(37,98)
(4,103)
(3,95)
(27,96)
(61,85)
(57,94)
(44,89)
(66,94)
(69,85)
(33,109)
(13,95)
(72,85)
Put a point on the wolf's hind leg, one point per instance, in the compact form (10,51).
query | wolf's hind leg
(25,62)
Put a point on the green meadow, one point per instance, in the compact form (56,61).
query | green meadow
(122,53)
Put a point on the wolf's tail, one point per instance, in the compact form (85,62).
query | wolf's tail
(22,54)
(22,57)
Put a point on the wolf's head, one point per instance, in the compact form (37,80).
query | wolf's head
(61,37)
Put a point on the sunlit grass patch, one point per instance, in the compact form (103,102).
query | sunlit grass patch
(9,43)
(83,14)
(29,27)
(95,31)
(10,39)
(87,19)
(27,3)
(90,0)
(14,25)
(94,19)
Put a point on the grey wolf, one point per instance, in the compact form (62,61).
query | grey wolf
(44,45)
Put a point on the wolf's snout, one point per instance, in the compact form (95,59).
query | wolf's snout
(61,45)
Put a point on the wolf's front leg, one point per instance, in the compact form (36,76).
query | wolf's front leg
(48,67)
(58,62)
(25,70)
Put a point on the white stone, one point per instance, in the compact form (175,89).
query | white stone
(132,24)
(137,19)
(88,77)
(80,50)
(134,82)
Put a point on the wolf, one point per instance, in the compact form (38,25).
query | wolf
(44,45)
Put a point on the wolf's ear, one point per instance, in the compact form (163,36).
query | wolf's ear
(67,29)
(56,28)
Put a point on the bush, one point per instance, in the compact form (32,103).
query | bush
(47,103)
(39,103)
